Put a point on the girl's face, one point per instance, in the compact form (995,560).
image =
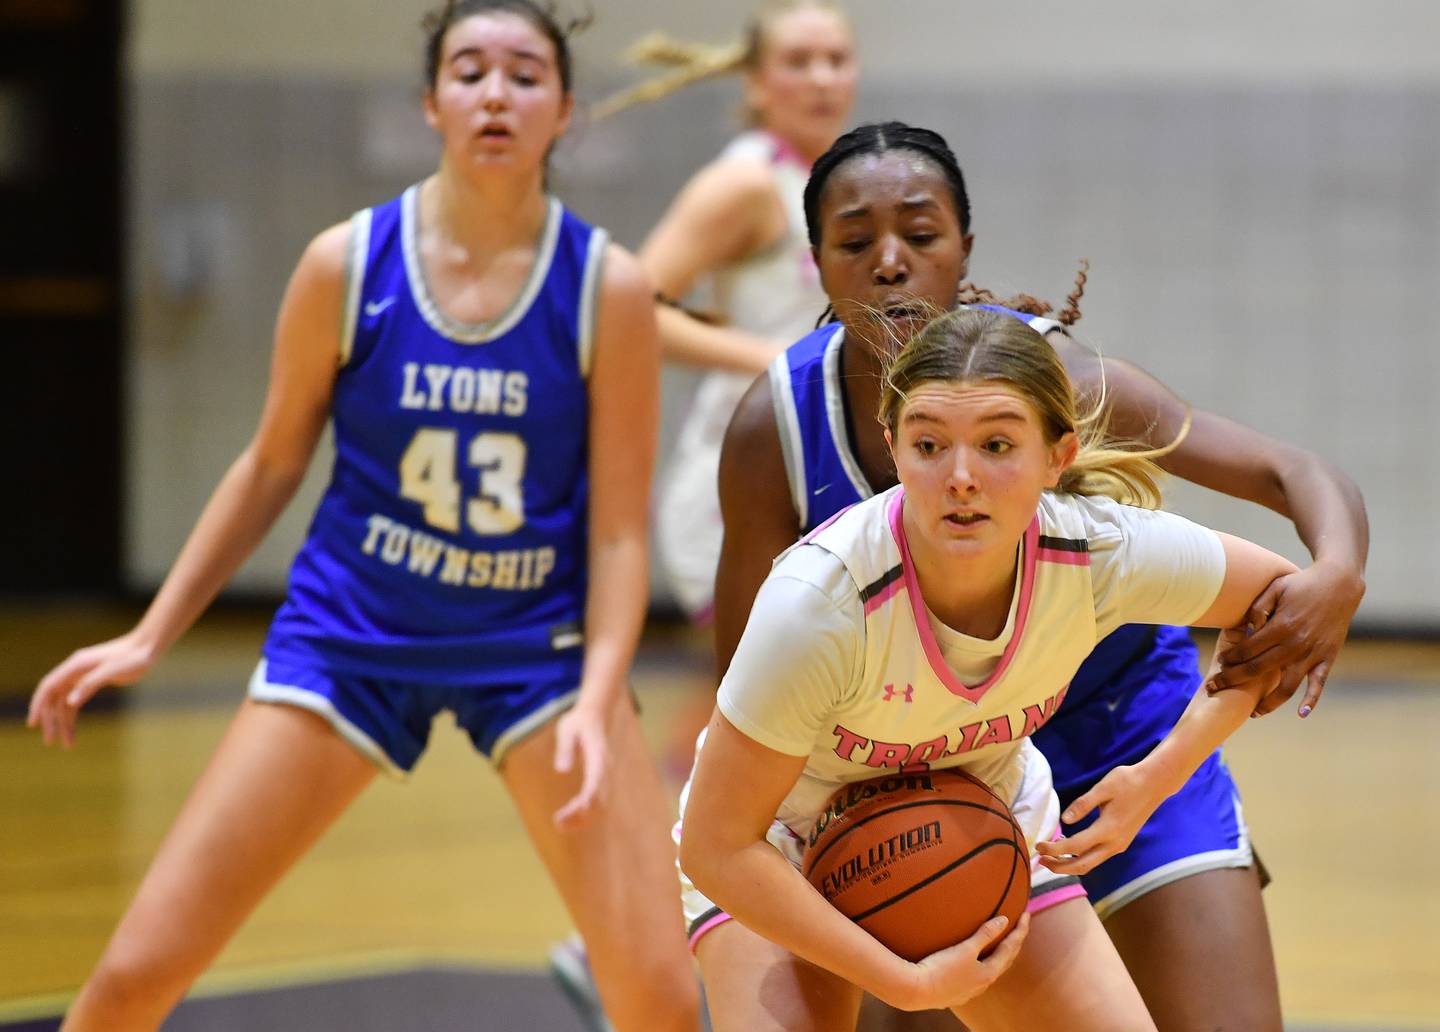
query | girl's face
(891,252)
(804,85)
(497,101)
(974,460)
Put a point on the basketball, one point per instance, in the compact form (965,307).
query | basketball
(920,861)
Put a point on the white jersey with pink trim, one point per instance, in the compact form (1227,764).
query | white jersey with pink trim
(775,294)
(842,662)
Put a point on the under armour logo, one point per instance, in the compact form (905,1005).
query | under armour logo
(907,695)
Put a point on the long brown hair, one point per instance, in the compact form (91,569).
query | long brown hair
(541,15)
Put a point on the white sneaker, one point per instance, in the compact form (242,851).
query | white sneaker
(570,965)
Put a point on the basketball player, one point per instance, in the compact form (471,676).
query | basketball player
(740,221)
(490,364)
(937,624)
(1183,903)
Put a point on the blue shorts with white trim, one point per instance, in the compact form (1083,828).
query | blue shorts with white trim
(389,721)
(1199,828)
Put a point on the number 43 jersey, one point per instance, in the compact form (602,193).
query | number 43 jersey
(450,545)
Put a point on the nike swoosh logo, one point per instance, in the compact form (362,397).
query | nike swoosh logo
(374,308)
(822,490)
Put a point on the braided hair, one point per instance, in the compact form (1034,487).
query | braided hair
(970,294)
(884,137)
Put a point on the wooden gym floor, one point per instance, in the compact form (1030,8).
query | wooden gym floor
(434,879)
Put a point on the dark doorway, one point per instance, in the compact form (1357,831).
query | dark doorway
(61,294)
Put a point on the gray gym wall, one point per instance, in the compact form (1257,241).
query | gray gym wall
(1256,185)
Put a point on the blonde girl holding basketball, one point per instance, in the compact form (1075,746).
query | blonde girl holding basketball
(1014,542)
(892,225)
(740,222)
(490,365)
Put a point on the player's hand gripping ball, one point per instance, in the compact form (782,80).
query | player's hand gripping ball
(920,861)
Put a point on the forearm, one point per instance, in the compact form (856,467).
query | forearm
(248,500)
(614,616)
(1225,456)
(684,338)
(1204,726)
(758,887)
(1327,510)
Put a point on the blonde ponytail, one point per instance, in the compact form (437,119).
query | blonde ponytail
(1122,470)
(688,63)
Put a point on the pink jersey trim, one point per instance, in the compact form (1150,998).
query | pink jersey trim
(708,927)
(922,622)
(814,533)
(785,154)
(1057,555)
(1046,900)
(704,616)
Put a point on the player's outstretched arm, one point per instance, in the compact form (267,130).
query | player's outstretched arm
(1304,616)
(1128,795)
(248,500)
(720,218)
(624,417)
(759,516)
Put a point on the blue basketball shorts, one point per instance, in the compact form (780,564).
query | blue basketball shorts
(389,721)
(1199,828)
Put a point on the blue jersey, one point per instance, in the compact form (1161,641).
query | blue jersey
(450,545)
(1130,691)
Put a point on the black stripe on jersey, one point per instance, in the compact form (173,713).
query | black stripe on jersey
(699,922)
(888,578)
(1064,544)
(1054,885)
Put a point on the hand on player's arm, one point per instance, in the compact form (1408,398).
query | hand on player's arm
(1298,625)
(737,788)
(1305,616)
(624,417)
(1246,606)
(1128,795)
(243,507)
